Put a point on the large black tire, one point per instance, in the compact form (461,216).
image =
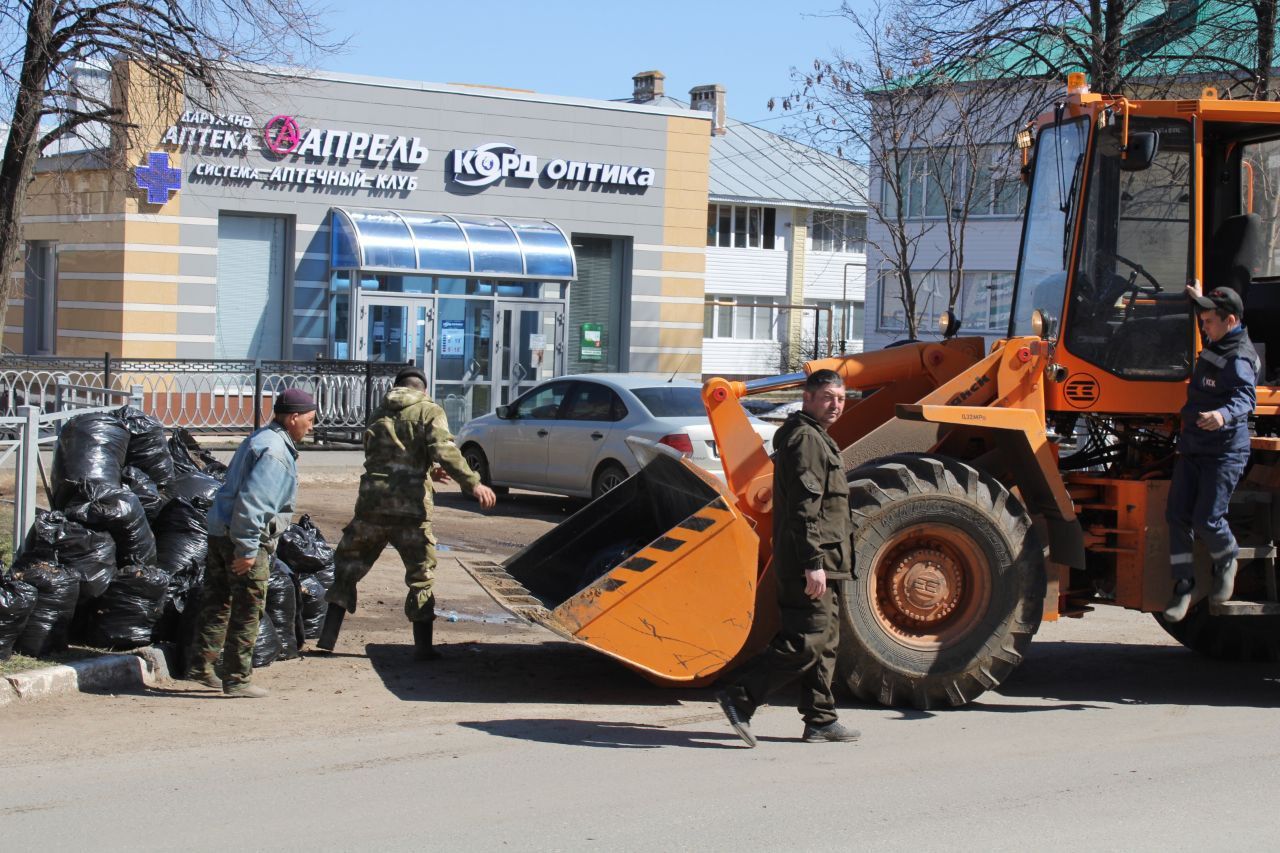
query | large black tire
(1233,638)
(949,583)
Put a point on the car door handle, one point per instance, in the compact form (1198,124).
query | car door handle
(597,435)
(542,433)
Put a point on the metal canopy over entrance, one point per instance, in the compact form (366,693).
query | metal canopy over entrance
(448,244)
(480,303)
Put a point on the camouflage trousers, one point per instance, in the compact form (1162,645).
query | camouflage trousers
(231,607)
(364,539)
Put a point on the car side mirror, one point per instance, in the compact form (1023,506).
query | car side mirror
(503,412)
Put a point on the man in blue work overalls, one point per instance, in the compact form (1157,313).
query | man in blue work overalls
(1213,448)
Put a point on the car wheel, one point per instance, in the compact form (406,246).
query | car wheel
(478,462)
(610,476)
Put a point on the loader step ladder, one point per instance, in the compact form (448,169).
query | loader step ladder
(1266,554)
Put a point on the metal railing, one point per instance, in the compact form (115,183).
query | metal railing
(24,433)
(209,395)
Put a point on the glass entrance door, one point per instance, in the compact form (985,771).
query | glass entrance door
(528,346)
(464,359)
(393,329)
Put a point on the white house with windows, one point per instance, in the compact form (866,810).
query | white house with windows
(786,248)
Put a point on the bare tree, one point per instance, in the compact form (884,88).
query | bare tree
(171,49)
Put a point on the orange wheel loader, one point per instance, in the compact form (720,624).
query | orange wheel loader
(990,490)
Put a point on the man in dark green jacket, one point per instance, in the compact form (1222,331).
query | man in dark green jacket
(407,435)
(811,547)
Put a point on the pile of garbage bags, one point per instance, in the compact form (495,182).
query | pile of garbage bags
(119,561)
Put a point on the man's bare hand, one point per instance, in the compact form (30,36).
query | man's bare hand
(815,583)
(440,475)
(1193,289)
(241,565)
(1210,421)
(485,496)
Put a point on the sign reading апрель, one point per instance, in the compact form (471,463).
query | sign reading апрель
(489,163)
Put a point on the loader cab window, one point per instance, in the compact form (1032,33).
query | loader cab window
(1046,236)
(1127,312)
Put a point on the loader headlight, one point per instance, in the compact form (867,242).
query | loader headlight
(949,324)
(1041,324)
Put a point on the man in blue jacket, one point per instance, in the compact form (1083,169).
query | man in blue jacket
(1213,448)
(249,513)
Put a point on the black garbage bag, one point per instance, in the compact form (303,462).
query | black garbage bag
(188,455)
(179,628)
(312,604)
(282,607)
(148,448)
(91,554)
(266,650)
(91,449)
(194,486)
(181,548)
(148,492)
(304,548)
(17,599)
(118,511)
(124,617)
(57,589)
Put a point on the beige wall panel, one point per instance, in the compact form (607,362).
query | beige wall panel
(681,262)
(151,263)
(683,287)
(152,233)
(693,236)
(71,290)
(13,340)
(149,349)
(76,232)
(680,312)
(683,338)
(88,320)
(16,316)
(688,163)
(670,362)
(93,347)
(150,322)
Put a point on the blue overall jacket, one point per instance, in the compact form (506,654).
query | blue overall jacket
(1224,380)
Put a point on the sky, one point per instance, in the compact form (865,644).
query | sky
(591,49)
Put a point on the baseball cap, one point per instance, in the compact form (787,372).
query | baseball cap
(1221,297)
(293,400)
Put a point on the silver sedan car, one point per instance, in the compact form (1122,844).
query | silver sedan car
(569,434)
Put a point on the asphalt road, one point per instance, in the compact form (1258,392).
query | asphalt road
(1109,737)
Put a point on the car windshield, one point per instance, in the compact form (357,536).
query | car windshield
(670,401)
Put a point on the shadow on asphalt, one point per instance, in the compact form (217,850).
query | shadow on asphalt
(1134,674)
(600,733)
(495,672)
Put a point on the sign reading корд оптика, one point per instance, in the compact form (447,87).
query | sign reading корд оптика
(488,163)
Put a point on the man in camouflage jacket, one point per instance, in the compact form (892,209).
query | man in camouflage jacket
(407,435)
(811,548)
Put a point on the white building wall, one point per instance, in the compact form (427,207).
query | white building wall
(726,356)
(746,272)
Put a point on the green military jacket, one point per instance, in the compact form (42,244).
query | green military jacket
(407,434)
(811,524)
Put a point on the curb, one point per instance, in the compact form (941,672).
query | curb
(107,673)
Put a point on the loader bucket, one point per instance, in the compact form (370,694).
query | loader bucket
(659,573)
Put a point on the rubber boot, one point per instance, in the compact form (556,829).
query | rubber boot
(422,648)
(332,626)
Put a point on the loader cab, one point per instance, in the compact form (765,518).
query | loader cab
(1107,251)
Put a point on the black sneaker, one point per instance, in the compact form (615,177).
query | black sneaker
(1224,582)
(740,723)
(1180,602)
(830,733)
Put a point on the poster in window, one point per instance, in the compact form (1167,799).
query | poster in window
(592,344)
(452,338)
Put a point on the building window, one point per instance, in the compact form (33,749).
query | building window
(40,299)
(929,182)
(930,301)
(838,232)
(743,318)
(845,320)
(250,289)
(986,300)
(741,227)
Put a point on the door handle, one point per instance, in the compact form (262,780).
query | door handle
(597,435)
(542,433)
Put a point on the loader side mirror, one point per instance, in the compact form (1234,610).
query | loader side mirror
(1137,156)
(1141,151)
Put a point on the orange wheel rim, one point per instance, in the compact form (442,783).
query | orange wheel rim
(930,585)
